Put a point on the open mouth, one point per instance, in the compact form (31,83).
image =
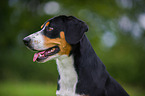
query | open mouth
(42,55)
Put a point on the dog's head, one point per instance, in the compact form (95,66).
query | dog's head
(56,37)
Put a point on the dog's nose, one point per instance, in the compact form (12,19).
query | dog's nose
(26,41)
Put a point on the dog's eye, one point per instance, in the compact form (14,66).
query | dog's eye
(50,29)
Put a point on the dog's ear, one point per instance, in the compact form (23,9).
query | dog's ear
(75,30)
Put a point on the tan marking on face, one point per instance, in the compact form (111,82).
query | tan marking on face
(65,48)
(45,25)
(42,26)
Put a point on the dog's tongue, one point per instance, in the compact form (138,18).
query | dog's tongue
(35,57)
(37,54)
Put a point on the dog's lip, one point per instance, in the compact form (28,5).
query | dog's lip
(41,55)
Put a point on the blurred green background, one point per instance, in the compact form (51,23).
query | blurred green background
(116,32)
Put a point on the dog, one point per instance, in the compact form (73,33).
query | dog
(81,72)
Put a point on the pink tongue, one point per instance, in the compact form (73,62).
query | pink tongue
(35,57)
(37,54)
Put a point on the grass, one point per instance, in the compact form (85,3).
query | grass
(27,89)
(49,89)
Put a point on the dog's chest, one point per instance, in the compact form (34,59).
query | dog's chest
(68,76)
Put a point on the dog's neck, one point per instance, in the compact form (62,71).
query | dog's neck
(68,76)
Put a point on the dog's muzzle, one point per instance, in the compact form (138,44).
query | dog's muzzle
(26,41)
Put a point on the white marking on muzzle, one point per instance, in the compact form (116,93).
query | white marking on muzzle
(37,40)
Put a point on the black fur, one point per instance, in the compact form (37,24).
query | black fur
(93,79)
(73,28)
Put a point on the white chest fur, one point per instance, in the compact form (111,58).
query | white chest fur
(68,76)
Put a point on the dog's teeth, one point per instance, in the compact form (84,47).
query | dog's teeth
(49,51)
(40,55)
(52,50)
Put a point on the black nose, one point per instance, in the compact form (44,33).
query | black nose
(26,41)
